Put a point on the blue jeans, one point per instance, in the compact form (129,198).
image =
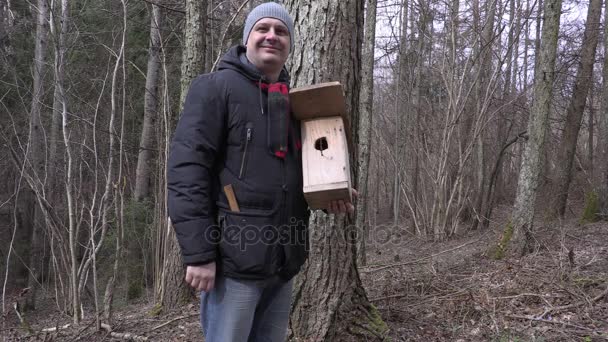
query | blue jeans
(246,310)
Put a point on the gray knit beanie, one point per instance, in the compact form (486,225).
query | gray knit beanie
(268,10)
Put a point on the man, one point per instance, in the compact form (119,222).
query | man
(236,130)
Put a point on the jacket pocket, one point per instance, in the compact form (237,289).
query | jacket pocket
(248,136)
(249,246)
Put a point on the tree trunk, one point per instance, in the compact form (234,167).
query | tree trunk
(401,114)
(478,178)
(330,303)
(574,114)
(526,43)
(365,126)
(523,211)
(60,118)
(510,58)
(114,184)
(601,180)
(59,31)
(35,154)
(591,132)
(517,28)
(210,38)
(6,28)
(146,142)
(193,54)
(174,289)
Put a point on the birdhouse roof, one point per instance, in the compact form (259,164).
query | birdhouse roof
(320,101)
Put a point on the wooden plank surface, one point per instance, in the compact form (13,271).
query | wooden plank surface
(321,100)
(326,174)
(318,100)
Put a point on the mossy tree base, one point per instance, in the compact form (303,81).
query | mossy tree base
(514,242)
(592,208)
(330,303)
(498,252)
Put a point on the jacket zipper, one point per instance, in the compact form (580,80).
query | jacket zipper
(244,159)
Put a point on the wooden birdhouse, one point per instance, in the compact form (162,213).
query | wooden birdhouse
(321,109)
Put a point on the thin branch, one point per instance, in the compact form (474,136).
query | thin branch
(364,270)
(226,30)
(173,320)
(155,3)
(123,336)
(553,321)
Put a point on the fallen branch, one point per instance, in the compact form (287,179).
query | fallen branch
(365,270)
(54,329)
(524,295)
(575,305)
(123,336)
(427,299)
(173,320)
(536,319)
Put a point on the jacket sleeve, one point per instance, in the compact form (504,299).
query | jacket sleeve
(197,143)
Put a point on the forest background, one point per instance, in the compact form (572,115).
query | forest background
(480,154)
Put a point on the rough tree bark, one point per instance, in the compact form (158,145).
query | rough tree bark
(193,54)
(601,180)
(523,211)
(146,142)
(574,114)
(591,132)
(35,154)
(174,289)
(330,303)
(365,125)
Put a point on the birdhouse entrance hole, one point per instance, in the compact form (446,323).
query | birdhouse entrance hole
(321,144)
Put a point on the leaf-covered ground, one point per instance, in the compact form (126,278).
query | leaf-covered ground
(453,291)
(425,291)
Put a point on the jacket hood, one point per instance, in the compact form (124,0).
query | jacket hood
(236,60)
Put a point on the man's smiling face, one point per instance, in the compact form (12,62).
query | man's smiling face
(268,45)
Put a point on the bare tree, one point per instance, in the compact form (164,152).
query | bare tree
(60,109)
(174,289)
(574,114)
(35,153)
(6,27)
(115,192)
(402,92)
(365,124)
(146,142)
(523,211)
(601,180)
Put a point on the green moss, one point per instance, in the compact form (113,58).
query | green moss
(588,281)
(156,310)
(369,327)
(26,327)
(376,322)
(592,207)
(498,251)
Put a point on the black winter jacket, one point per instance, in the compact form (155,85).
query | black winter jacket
(222,138)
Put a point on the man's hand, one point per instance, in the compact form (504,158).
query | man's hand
(341,206)
(201,278)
